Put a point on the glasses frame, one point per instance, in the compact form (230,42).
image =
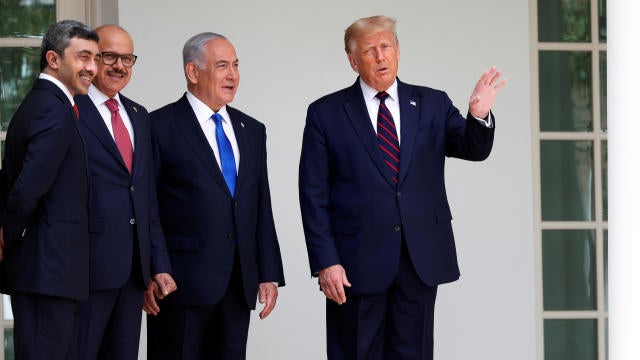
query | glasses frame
(118,56)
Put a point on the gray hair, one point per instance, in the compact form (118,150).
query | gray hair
(59,35)
(193,50)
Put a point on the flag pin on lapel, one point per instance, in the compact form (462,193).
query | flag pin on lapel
(242,124)
(413,103)
(135,109)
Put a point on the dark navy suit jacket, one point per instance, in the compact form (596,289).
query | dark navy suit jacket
(354,215)
(202,223)
(44,215)
(123,210)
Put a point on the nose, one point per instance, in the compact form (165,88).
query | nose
(379,56)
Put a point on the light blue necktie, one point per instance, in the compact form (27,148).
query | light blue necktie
(227,161)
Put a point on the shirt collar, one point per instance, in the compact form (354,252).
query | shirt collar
(98,97)
(59,84)
(370,93)
(204,112)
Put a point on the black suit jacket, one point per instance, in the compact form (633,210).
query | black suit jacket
(202,223)
(44,218)
(354,215)
(124,224)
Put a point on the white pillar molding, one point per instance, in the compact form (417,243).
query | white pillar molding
(623,92)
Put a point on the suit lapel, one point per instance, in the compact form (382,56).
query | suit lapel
(139,153)
(189,127)
(94,122)
(243,145)
(359,116)
(409,117)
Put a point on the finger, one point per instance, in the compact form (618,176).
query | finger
(341,298)
(150,305)
(345,281)
(268,307)
(500,85)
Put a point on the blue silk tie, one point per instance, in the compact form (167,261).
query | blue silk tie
(227,161)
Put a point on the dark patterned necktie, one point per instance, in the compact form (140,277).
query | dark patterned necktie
(388,138)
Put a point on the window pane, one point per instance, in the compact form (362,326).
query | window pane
(605,182)
(18,70)
(570,339)
(603,90)
(8,344)
(569,269)
(566,171)
(565,91)
(564,21)
(606,270)
(602,20)
(26,18)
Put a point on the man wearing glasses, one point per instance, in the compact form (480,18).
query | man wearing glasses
(127,245)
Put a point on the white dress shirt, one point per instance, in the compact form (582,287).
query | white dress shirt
(204,114)
(99,99)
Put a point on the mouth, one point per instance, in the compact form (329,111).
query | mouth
(117,75)
(86,77)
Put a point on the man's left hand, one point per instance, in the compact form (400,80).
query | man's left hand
(166,284)
(484,94)
(267,295)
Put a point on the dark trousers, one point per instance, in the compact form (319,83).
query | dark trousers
(110,323)
(44,327)
(394,324)
(211,332)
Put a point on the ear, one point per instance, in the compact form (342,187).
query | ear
(192,72)
(353,62)
(53,59)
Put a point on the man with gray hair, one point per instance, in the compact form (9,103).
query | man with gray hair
(44,218)
(215,211)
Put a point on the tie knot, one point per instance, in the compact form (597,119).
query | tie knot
(382,95)
(112,105)
(217,118)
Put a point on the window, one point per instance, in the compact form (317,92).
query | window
(570,150)
(22,25)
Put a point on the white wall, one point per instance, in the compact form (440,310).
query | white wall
(291,52)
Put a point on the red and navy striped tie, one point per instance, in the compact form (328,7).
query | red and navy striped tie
(388,138)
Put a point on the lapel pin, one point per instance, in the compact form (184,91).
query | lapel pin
(135,109)
(242,124)
(412,102)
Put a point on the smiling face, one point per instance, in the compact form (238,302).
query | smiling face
(76,67)
(375,58)
(216,83)
(111,79)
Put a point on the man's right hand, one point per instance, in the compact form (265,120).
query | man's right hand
(150,306)
(333,279)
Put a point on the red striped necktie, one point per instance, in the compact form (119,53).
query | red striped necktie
(388,138)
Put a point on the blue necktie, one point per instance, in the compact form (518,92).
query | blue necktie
(227,161)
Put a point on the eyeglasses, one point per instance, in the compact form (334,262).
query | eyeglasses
(109,58)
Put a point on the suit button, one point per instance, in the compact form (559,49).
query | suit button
(132,221)
(396,228)
(235,204)
(399,193)
(230,237)
(132,188)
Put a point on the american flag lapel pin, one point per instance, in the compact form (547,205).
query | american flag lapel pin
(135,109)
(242,124)
(412,102)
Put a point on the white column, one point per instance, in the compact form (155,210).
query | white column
(623,71)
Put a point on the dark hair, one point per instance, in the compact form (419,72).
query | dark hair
(58,36)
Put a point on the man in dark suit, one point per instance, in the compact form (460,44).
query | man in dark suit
(372,193)
(126,241)
(215,210)
(44,218)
